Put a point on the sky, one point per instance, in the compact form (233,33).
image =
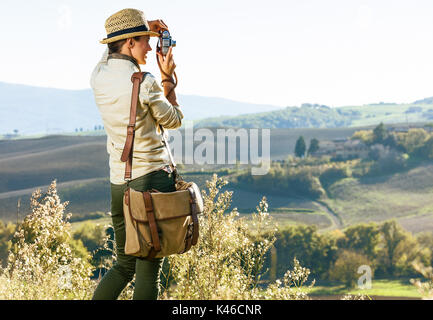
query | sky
(279,52)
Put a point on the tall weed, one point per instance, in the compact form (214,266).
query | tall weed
(227,262)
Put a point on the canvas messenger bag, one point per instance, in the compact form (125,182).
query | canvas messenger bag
(158,224)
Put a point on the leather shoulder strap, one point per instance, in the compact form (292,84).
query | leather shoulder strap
(194,212)
(137,78)
(152,221)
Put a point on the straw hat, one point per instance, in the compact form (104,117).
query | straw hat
(127,23)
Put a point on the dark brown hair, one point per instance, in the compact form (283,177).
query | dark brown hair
(116,46)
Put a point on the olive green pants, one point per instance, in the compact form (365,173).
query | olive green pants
(146,271)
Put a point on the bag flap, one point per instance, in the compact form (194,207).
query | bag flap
(183,185)
(169,205)
(166,205)
(199,198)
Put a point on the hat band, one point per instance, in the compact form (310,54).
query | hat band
(125,31)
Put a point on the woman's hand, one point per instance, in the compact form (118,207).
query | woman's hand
(157,25)
(166,64)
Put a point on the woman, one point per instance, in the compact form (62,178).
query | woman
(128,35)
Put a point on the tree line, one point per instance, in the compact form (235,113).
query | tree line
(386,248)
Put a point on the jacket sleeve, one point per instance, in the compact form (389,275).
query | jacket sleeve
(165,114)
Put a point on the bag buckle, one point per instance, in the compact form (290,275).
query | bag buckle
(168,169)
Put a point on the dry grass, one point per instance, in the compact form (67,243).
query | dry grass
(226,264)
(42,263)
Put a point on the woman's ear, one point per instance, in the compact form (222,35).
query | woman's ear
(130,43)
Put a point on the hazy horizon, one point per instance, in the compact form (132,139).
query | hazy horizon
(224,98)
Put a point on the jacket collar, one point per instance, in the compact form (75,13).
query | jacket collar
(124,57)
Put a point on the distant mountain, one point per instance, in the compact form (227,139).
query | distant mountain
(321,116)
(424,101)
(306,116)
(33,110)
(199,107)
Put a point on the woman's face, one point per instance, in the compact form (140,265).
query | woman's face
(140,49)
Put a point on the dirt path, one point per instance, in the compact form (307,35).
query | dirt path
(337,223)
(336,220)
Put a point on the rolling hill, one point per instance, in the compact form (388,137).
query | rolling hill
(406,196)
(320,116)
(80,165)
(35,110)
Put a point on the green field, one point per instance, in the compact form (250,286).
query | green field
(404,196)
(101,221)
(397,288)
(373,114)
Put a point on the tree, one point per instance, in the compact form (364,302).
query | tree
(365,136)
(379,133)
(387,160)
(314,146)
(377,151)
(391,141)
(400,250)
(333,174)
(346,266)
(425,240)
(362,238)
(426,150)
(300,147)
(6,234)
(91,235)
(314,250)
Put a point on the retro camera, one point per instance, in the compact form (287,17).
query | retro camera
(166,42)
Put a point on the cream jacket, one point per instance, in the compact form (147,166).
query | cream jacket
(112,88)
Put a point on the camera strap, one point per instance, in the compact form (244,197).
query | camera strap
(170,155)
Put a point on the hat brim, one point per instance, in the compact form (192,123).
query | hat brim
(129,35)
